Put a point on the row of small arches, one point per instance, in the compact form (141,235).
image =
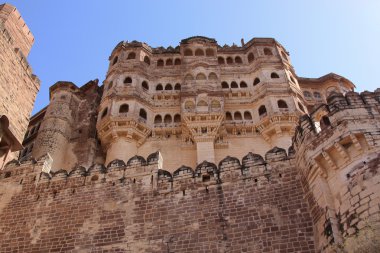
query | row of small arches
(248,116)
(237,60)
(243,84)
(124,108)
(202,76)
(167,119)
(168,62)
(131,56)
(199,52)
(215,104)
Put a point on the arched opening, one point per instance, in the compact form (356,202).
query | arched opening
(215,104)
(143,114)
(189,77)
(267,51)
(210,52)
(243,84)
(237,116)
(262,111)
(199,52)
(115,60)
(168,86)
(238,60)
(145,85)
(177,118)
(189,105)
(202,103)
(225,85)
(221,60)
(228,116)
(146,60)
(169,62)
(177,86)
(131,55)
(177,61)
(256,81)
(234,85)
(307,95)
(124,108)
(317,95)
(188,52)
(282,104)
(128,80)
(230,60)
(160,63)
(247,115)
(325,122)
(159,87)
(104,113)
(168,119)
(274,75)
(157,119)
(201,76)
(251,57)
(212,76)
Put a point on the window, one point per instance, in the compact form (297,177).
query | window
(177,61)
(145,85)
(128,80)
(212,76)
(210,52)
(267,51)
(157,119)
(274,75)
(115,60)
(168,119)
(307,95)
(177,86)
(177,118)
(228,116)
(188,52)
(225,85)
(189,105)
(199,52)
(282,104)
(189,77)
(243,84)
(169,62)
(237,116)
(247,115)
(262,111)
(131,55)
(238,60)
(104,113)
(159,87)
(221,60)
(147,60)
(230,60)
(160,63)
(202,103)
(251,57)
(168,87)
(201,76)
(143,114)
(256,81)
(124,108)
(215,104)
(325,122)
(317,95)
(234,85)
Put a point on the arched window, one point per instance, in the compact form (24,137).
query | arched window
(274,75)
(128,80)
(199,52)
(317,95)
(177,61)
(282,104)
(210,52)
(143,114)
(230,60)
(115,60)
(251,57)
(168,86)
(160,63)
(212,76)
(301,107)
(237,116)
(177,86)
(188,52)
(157,119)
(202,103)
(169,62)
(168,119)
(307,95)
(256,81)
(262,111)
(238,60)
(189,105)
(124,108)
(215,104)
(177,118)
(201,76)
(243,84)
(228,116)
(247,115)
(234,85)
(145,85)
(104,113)
(189,77)
(225,85)
(221,60)
(159,87)
(131,55)
(267,51)
(146,60)
(325,122)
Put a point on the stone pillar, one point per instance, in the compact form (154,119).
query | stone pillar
(121,148)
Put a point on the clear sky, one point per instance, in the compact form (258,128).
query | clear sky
(73,39)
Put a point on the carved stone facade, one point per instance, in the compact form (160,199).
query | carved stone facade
(197,148)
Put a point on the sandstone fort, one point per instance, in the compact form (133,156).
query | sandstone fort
(199,147)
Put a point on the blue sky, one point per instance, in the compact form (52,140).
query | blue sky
(73,39)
